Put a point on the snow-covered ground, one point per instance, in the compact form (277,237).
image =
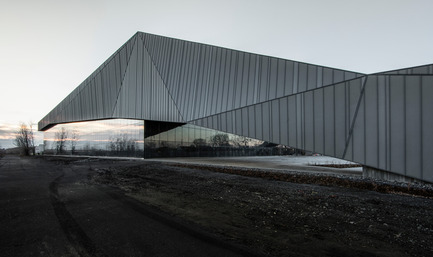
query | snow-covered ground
(293,160)
(287,162)
(282,162)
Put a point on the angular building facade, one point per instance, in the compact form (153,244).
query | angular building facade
(170,97)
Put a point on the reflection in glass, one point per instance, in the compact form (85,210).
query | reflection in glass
(115,137)
(188,140)
(151,139)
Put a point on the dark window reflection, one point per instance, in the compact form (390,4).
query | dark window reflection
(151,139)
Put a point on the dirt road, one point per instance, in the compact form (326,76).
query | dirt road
(48,208)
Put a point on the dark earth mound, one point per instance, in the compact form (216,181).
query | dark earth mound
(286,213)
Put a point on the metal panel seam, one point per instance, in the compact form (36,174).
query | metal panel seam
(349,137)
(123,78)
(164,83)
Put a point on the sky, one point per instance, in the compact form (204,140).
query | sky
(48,47)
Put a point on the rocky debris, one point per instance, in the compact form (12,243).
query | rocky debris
(286,213)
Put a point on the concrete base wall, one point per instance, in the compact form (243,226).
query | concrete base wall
(369,172)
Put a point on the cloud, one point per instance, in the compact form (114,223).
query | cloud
(7,131)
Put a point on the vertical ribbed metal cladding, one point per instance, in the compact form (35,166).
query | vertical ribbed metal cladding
(275,121)
(427,125)
(418,70)
(318,120)
(71,108)
(284,121)
(382,120)
(120,101)
(356,94)
(329,121)
(396,123)
(371,127)
(155,101)
(226,82)
(413,125)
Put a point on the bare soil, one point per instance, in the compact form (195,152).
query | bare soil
(286,213)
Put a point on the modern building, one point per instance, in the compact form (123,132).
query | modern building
(159,96)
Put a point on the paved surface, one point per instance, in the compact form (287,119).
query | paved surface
(46,211)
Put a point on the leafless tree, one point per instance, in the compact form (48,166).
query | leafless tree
(199,142)
(122,144)
(61,137)
(241,141)
(75,135)
(220,140)
(24,139)
(2,152)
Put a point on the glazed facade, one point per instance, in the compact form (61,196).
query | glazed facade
(126,138)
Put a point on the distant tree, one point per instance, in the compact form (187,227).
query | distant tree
(45,145)
(150,144)
(220,139)
(74,139)
(241,141)
(60,139)
(122,144)
(24,139)
(118,144)
(2,152)
(199,142)
(87,148)
(164,144)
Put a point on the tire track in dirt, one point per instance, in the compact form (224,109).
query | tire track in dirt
(74,233)
(3,162)
(178,224)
